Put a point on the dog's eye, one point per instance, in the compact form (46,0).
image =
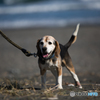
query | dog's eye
(49,43)
(41,43)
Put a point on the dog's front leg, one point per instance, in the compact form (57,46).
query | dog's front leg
(58,75)
(43,78)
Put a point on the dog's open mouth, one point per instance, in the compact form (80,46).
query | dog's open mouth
(46,55)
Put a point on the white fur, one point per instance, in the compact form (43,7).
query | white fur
(53,69)
(58,78)
(75,76)
(76,31)
(49,65)
(50,48)
(76,79)
(60,82)
(80,87)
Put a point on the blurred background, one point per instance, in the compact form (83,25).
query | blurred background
(48,13)
(26,21)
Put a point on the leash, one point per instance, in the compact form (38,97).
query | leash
(27,53)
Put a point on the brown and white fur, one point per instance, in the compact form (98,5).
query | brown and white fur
(53,56)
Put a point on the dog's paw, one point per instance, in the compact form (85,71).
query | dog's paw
(78,85)
(60,87)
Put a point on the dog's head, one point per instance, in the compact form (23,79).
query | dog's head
(47,46)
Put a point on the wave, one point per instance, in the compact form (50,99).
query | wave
(48,7)
(47,23)
(50,13)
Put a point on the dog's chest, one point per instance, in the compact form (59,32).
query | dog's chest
(49,64)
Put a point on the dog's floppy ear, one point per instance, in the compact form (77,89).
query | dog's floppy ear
(57,49)
(38,47)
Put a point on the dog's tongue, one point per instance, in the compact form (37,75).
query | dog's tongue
(45,56)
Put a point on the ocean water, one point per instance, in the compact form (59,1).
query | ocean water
(50,13)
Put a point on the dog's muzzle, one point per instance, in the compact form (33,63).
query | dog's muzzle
(45,54)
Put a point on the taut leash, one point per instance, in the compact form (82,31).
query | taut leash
(27,53)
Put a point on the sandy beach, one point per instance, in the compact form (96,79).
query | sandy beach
(85,53)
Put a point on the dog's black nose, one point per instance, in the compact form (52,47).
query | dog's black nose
(44,49)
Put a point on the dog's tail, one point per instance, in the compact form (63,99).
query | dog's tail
(73,37)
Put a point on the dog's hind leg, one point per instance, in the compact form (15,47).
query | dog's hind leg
(77,82)
(71,69)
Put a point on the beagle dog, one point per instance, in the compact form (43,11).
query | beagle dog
(53,56)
